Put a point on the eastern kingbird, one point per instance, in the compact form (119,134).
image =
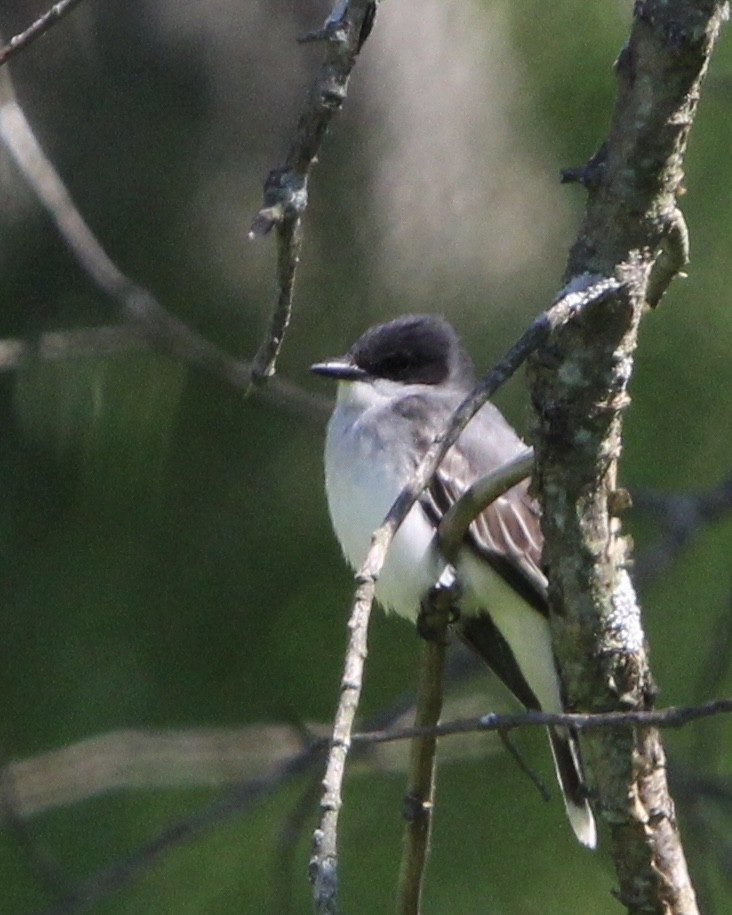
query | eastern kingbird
(397,386)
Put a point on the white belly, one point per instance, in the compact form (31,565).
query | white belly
(361,491)
(358,504)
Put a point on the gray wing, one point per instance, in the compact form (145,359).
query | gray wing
(508,536)
(508,533)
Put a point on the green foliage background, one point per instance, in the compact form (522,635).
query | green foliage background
(166,555)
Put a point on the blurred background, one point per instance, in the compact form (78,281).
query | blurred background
(167,559)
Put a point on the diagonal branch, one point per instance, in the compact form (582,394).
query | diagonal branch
(148,321)
(286,187)
(461,514)
(21,41)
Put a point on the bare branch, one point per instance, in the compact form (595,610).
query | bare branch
(285,190)
(461,514)
(21,41)
(419,800)
(433,624)
(579,386)
(139,759)
(142,759)
(289,244)
(671,717)
(148,319)
(323,867)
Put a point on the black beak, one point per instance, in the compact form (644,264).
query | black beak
(341,368)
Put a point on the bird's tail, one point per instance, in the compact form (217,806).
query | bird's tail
(568,763)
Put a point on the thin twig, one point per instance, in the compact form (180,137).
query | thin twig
(670,717)
(146,316)
(419,800)
(285,189)
(523,766)
(323,864)
(245,796)
(20,41)
(461,514)
(289,245)
(139,759)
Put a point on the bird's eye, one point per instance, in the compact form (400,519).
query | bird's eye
(394,365)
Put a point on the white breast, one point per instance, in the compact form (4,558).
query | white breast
(362,482)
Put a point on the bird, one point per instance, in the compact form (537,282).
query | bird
(397,386)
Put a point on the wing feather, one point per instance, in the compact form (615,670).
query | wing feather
(507,534)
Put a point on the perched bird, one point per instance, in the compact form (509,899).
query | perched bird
(397,386)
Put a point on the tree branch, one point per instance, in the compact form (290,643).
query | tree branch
(286,187)
(145,760)
(434,620)
(579,378)
(265,759)
(671,717)
(21,41)
(148,321)
(461,514)
(419,799)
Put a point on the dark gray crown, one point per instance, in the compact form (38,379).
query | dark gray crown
(414,349)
